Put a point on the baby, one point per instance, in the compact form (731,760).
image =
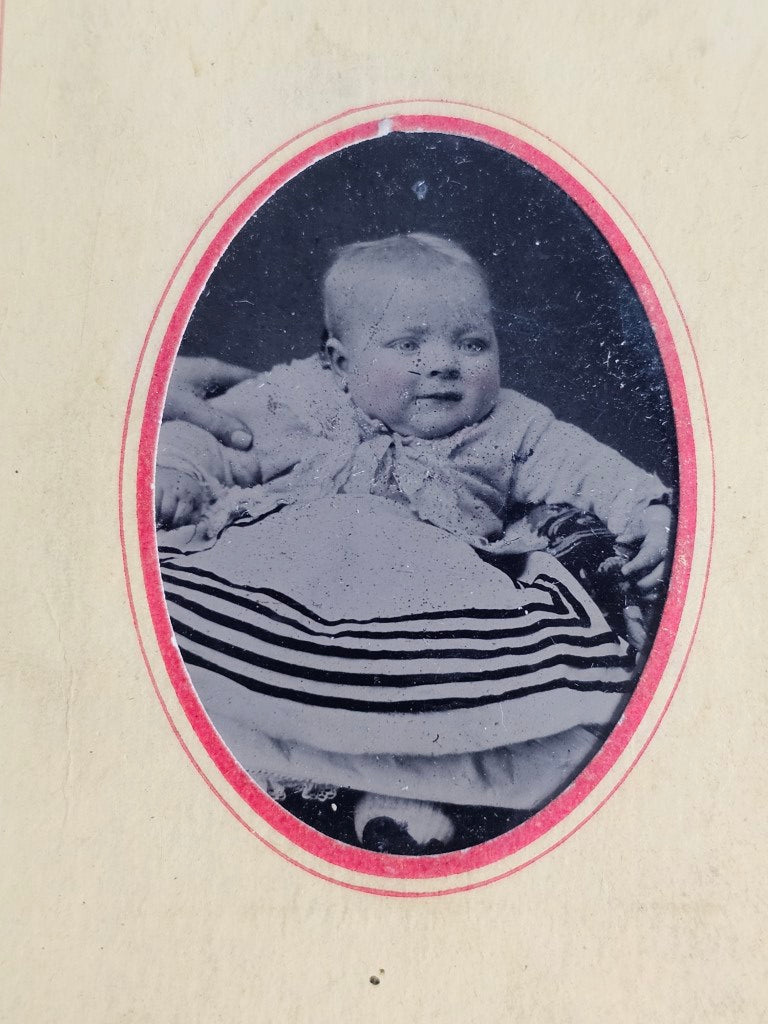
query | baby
(406,407)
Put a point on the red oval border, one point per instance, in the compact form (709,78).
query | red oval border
(327,849)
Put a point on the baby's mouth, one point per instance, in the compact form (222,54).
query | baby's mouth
(441,396)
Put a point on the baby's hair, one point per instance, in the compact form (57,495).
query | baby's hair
(348,260)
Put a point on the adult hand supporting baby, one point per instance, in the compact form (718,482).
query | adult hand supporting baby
(193,381)
(648,568)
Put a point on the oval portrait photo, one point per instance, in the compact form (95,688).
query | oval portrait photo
(416,494)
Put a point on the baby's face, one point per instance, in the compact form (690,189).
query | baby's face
(419,350)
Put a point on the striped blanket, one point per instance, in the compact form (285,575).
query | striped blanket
(348,644)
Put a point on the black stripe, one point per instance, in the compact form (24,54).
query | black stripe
(390,679)
(411,707)
(379,654)
(557,605)
(257,608)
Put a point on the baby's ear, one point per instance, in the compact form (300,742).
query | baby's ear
(337,356)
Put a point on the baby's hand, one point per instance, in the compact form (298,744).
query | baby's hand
(654,531)
(179,498)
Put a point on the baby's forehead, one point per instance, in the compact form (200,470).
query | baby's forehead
(413,263)
(409,282)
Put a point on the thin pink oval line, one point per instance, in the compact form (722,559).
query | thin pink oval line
(152,416)
(194,711)
(554,812)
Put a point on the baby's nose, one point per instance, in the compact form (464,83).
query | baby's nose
(446,372)
(442,361)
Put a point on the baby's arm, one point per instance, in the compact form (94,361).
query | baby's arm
(562,463)
(653,532)
(179,498)
(193,468)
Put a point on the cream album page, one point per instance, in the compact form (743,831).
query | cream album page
(383,446)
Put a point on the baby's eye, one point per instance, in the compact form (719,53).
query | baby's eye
(406,345)
(473,344)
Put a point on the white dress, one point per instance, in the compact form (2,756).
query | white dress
(341,628)
(346,643)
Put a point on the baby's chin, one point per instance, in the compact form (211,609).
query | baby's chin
(429,425)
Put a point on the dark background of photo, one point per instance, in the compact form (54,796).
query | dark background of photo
(572,331)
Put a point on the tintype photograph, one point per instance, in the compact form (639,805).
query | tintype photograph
(415,493)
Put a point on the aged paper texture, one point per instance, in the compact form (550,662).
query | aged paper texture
(131,891)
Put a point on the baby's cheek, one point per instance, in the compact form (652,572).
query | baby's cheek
(484,380)
(391,386)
